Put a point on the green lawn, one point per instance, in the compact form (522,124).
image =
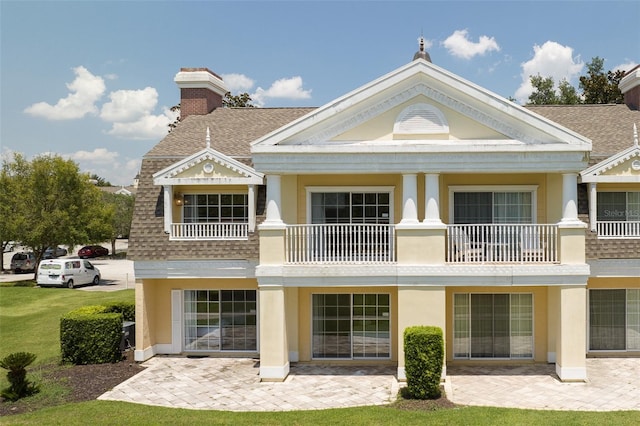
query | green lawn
(30,321)
(30,317)
(110,413)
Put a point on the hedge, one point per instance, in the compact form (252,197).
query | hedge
(424,355)
(91,335)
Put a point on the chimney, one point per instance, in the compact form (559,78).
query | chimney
(201,91)
(630,88)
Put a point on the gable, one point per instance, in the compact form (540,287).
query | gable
(623,167)
(208,167)
(420,113)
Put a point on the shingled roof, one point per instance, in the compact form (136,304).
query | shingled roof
(232,131)
(609,126)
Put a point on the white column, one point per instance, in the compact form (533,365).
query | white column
(273,200)
(409,198)
(251,198)
(432,199)
(168,208)
(593,206)
(570,199)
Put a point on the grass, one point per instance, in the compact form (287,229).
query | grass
(29,321)
(103,412)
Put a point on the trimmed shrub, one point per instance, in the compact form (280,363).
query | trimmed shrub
(423,358)
(91,335)
(128,310)
(19,387)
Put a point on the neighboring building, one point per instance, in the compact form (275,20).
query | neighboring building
(120,190)
(320,234)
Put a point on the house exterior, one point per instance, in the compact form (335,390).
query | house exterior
(420,198)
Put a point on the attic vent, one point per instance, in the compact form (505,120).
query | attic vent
(421,119)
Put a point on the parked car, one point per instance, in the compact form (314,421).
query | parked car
(67,273)
(9,247)
(23,262)
(51,253)
(92,251)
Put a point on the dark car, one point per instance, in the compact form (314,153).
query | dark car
(51,253)
(92,251)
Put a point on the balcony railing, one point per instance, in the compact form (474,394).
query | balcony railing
(618,229)
(517,243)
(340,243)
(209,231)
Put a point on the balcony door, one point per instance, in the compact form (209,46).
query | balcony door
(484,207)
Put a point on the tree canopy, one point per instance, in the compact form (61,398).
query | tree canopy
(52,203)
(597,87)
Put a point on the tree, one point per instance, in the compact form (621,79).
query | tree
(243,100)
(175,108)
(99,181)
(544,92)
(568,94)
(11,177)
(599,87)
(123,214)
(58,205)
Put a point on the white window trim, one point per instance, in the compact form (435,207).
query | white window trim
(496,188)
(323,189)
(251,194)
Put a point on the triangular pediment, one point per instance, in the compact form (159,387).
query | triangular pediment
(208,167)
(623,167)
(421,104)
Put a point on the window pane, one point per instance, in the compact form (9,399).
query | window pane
(472,207)
(633,319)
(611,206)
(461,325)
(606,319)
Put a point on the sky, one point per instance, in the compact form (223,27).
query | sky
(93,80)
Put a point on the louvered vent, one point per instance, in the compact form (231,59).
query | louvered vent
(421,119)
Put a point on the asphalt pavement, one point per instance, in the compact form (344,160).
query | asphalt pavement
(117,274)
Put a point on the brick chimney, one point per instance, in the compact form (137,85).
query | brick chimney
(630,88)
(201,91)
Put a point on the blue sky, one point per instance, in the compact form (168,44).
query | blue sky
(93,80)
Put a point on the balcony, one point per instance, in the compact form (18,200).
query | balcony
(465,244)
(618,229)
(519,243)
(209,231)
(340,243)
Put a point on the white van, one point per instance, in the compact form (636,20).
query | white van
(67,273)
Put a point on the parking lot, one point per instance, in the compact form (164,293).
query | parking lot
(117,274)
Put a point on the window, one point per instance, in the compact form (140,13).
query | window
(618,206)
(614,319)
(492,207)
(215,208)
(351,326)
(350,207)
(493,325)
(220,320)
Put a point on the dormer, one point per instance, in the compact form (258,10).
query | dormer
(209,195)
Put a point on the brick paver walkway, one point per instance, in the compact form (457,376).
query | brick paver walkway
(233,385)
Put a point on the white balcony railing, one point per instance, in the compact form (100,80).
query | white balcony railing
(340,243)
(209,231)
(493,243)
(618,229)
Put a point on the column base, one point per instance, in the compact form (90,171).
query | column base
(571,374)
(274,374)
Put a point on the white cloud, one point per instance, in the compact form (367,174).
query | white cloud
(237,82)
(129,105)
(549,60)
(85,91)
(106,164)
(98,155)
(148,126)
(284,88)
(458,44)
